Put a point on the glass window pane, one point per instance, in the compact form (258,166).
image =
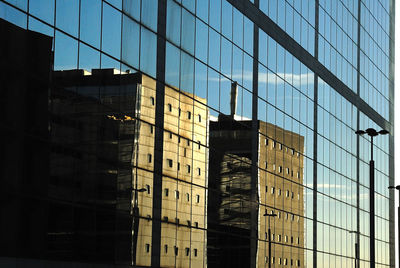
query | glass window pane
(188,32)
(215,14)
(67,16)
(201,40)
(225,96)
(149,13)
(187,72)
(116,3)
(89,58)
(43,9)
(108,62)
(130,42)
(202,9)
(22,4)
(111,37)
(40,27)
(66,52)
(248,36)
(213,89)
(237,65)
(173,30)
(237,28)
(227,19)
(226,55)
(189,4)
(148,52)
(214,46)
(90,22)
(172,65)
(132,8)
(12,15)
(200,80)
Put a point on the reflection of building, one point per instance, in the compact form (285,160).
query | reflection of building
(103,134)
(184,181)
(278,183)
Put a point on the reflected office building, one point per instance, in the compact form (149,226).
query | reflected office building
(103,155)
(240,194)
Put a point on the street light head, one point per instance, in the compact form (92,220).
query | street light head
(360,132)
(394,187)
(383,132)
(371,132)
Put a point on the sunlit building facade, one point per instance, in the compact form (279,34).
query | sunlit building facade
(139,142)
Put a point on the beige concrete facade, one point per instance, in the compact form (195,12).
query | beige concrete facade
(183,214)
(280,191)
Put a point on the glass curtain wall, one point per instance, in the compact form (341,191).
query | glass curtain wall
(212,133)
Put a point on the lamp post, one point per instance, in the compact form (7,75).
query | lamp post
(355,247)
(372,133)
(135,224)
(398,213)
(269,236)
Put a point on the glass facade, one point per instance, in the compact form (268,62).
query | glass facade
(196,133)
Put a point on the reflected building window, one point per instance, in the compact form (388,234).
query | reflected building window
(148,188)
(170,163)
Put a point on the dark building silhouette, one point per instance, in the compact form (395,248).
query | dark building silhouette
(25,69)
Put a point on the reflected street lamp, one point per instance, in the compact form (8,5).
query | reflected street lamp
(372,133)
(269,236)
(398,213)
(135,224)
(355,247)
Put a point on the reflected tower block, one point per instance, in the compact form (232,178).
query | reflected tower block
(279,179)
